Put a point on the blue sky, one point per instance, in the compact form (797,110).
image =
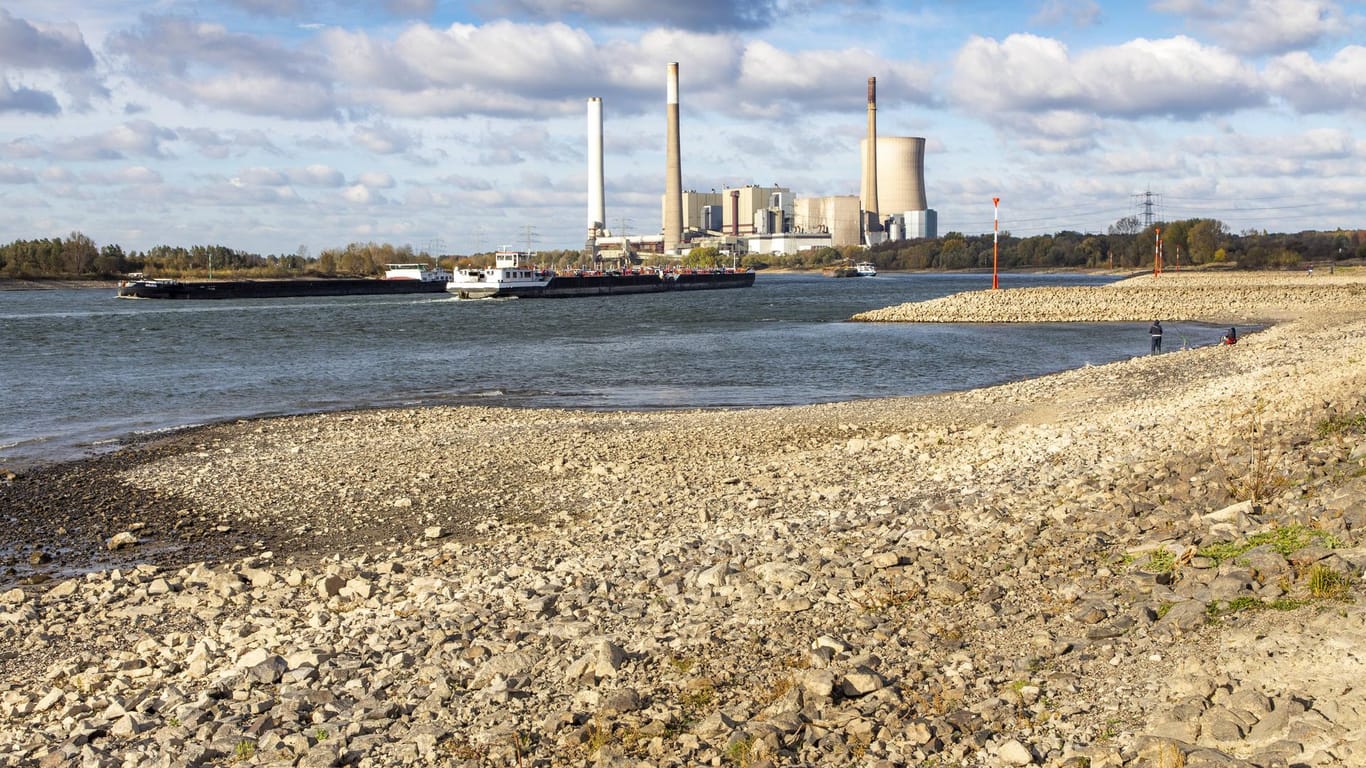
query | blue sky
(268,125)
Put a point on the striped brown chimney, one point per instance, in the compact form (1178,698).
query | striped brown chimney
(871,220)
(735,212)
(673,173)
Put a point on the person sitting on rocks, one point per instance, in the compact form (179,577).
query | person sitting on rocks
(1231,337)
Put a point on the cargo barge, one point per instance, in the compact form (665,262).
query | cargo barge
(398,278)
(512,276)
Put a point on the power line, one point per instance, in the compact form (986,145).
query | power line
(529,234)
(1148,201)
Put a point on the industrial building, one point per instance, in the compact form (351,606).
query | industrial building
(836,215)
(770,219)
(900,176)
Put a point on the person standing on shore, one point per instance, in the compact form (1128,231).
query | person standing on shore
(1155,333)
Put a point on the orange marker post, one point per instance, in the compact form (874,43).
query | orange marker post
(1157,251)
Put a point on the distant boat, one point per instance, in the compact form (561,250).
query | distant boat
(512,275)
(865,269)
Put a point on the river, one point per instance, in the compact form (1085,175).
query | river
(83,371)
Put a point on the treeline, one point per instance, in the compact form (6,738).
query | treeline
(77,256)
(1126,246)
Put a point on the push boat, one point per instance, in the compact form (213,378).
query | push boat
(865,269)
(398,278)
(513,275)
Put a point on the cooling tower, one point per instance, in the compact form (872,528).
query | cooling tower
(868,199)
(900,173)
(673,173)
(597,215)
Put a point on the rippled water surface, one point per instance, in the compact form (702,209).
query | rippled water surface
(82,369)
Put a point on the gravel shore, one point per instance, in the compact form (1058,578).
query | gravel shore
(1220,297)
(1155,562)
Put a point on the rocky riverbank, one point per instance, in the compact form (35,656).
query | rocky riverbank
(1220,297)
(1155,562)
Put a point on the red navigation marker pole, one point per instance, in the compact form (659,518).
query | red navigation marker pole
(995,240)
(1157,251)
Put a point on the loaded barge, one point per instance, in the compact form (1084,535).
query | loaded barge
(398,278)
(513,276)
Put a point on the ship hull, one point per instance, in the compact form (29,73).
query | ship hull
(570,286)
(272,289)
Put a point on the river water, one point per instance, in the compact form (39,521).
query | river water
(82,370)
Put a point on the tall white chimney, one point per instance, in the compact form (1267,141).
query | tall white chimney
(597,215)
(871,221)
(673,173)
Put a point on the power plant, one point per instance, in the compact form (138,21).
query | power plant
(759,219)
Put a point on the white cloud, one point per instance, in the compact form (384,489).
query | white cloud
(55,53)
(303,8)
(1333,144)
(230,194)
(14,174)
(26,148)
(1145,163)
(1260,26)
(316,175)
(135,175)
(22,99)
(262,95)
(695,14)
(270,7)
(376,180)
(222,144)
(268,177)
(201,63)
(778,82)
(56,174)
(410,8)
(141,138)
(385,139)
(38,46)
(1053,132)
(463,69)
(466,182)
(290,121)
(359,194)
(140,174)
(1338,84)
(1176,77)
(1078,13)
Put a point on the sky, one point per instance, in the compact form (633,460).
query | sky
(288,126)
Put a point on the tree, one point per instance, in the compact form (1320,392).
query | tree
(1203,239)
(954,252)
(1096,250)
(703,257)
(111,261)
(1129,225)
(78,254)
